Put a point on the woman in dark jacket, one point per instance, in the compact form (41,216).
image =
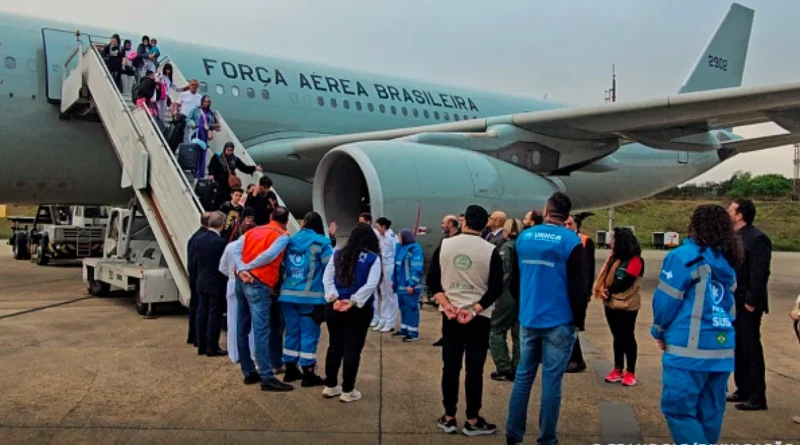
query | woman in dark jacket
(618,286)
(113,55)
(222,166)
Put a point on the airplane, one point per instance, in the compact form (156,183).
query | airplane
(343,142)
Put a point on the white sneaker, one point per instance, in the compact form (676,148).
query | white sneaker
(330,393)
(352,396)
(378,327)
(374,323)
(385,329)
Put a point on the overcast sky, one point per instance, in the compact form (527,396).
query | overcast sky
(524,47)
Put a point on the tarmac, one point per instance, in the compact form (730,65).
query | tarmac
(76,369)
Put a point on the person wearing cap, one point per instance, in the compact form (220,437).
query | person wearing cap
(222,167)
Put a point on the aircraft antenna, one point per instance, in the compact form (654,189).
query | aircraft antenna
(611,96)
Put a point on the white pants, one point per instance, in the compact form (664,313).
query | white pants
(233,306)
(386,312)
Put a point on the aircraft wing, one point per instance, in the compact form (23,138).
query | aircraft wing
(581,135)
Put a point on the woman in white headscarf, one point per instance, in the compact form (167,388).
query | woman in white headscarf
(226,266)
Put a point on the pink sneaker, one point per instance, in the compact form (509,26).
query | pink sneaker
(628,379)
(615,376)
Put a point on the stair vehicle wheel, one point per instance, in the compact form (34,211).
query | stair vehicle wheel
(141,307)
(98,288)
(20,246)
(42,258)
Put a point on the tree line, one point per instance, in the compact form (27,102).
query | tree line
(740,184)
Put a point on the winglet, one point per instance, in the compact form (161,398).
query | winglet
(721,65)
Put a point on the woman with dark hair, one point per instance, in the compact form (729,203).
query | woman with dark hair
(350,281)
(203,120)
(113,55)
(302,299)
(693,312)
(618,286)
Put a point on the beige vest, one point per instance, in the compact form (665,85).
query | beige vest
(464,260)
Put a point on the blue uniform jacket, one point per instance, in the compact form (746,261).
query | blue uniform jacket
(304,264)
(408,262)
(693,309)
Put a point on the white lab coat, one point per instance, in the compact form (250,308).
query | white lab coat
(226,266)
(386,314)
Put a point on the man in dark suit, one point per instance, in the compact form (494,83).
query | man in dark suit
(494,228)
(211,286)
(752,276)
(191,260)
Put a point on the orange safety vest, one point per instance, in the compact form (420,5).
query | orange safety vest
(584,239)
(258,240)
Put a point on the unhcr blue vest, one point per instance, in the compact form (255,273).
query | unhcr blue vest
(408,267)
(542,253)
(303,266)
(365,262)
(694,309)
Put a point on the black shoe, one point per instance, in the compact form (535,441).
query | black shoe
(574,367)
(736,397)
(439,342)
(252,378)
(310,378)
(502,376)
(292,373)
(448,426)
(751,406)
(399,334)
(275,385)
(217,353)
(201,352)
(481,428)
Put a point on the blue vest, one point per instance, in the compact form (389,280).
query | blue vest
(303,266)
(408,267)
(542,253)
(694,309)
(365,262)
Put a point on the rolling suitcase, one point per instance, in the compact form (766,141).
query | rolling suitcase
(188,156)
(206,191)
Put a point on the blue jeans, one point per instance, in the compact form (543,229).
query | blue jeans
(254,307)
(552,348)
(693,403)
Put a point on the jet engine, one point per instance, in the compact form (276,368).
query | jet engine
(415,185)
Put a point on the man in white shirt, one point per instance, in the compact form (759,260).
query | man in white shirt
(387,320)
(188,101)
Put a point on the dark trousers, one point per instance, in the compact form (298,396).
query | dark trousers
(622,325)
(749,368)
(209,321)
(577,353)
(192,337)
(468,343)
(347,332)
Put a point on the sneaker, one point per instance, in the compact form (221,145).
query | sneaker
(352,396)
(374,323)
(386,329)
(438,343)
(481,428)
(330,393)
(448,426)
(615,376)
(292,373)
(310,377)
(410,339)
(377,327)
(400,333)
(628,379)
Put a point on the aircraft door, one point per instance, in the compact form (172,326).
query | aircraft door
(683,157)
(59,45)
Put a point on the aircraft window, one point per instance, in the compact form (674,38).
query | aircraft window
(456,117)
(466,118)
(370,107)
(11,63)
(32,66)
(405,111)
(722,137)
(447,116)
(307,99)
(220,89)
(426,114)
(382,108)
(394,109)
(320,101)
(294,98)
(203,87)
(235,91)
(251,93)
(358,105)
(346,104)
(474,117)
(436,115)
(415,112)
(265,94)
(333,103)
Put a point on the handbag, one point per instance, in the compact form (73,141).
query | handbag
(233,180)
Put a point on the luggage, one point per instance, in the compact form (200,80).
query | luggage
(188,156)
(206,191)
(174,133)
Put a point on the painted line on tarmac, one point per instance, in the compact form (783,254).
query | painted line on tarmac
(618,423)
(41,308)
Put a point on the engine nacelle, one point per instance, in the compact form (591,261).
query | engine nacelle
(416,185)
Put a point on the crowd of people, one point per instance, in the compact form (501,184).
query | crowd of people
(491,275)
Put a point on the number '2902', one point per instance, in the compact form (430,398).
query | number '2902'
(718,62)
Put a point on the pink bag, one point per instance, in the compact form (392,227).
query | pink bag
(131,55)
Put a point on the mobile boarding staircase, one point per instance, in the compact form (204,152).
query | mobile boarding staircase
(149,167)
